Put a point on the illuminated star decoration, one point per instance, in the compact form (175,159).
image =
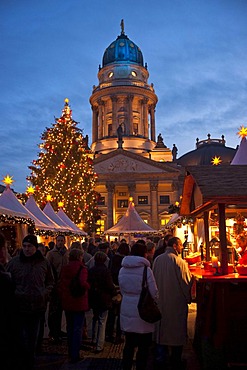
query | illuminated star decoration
(242,132)
(216,161)
(30,190)
(8,180)
(60,204)
(49,198)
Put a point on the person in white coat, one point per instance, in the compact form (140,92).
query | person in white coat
(174,282)
(138,333)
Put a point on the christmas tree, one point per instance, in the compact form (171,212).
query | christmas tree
(64,171)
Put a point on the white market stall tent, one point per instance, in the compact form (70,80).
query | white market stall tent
(32,206)
(130,223)
(9,201)
(70,223)
(49,211)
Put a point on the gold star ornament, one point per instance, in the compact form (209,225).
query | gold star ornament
(216,161)
(8,180)
(242,131)
(30,190)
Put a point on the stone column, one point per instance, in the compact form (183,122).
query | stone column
(130,114)
(154,204)
(145,117)
(101,120)
(110,195)
(114,100)
(132,191)
(152,119)
(95,124)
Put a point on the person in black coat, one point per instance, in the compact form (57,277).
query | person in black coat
(100,298)
(114,312)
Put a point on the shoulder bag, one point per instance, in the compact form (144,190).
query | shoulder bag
(147,306)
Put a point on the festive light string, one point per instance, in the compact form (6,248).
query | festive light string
(64,147)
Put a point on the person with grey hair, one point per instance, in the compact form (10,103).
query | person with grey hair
(174,282)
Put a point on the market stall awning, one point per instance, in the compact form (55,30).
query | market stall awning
(205,186)
(240,157)
(9,212)
(9,201)
(49,211)
(70,223)
(32,206)
(175,217)
(131,223)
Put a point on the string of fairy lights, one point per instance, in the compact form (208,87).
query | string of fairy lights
(64,170)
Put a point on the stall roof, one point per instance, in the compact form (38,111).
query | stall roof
(49,211)
(205,186)
(69,222)
(9,212)
(130,223)
(32,206)
(240,157)
(9,201)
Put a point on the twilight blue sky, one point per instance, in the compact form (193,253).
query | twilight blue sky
(196,51)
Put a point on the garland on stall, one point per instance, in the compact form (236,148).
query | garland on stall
(16,220)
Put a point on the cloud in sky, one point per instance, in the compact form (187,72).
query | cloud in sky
(195,50)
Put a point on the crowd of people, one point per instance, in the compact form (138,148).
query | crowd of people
(37,283)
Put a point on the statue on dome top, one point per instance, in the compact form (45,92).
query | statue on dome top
(122,26)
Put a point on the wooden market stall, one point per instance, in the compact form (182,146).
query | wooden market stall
(221,324)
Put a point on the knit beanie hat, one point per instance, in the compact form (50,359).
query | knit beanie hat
(32,239)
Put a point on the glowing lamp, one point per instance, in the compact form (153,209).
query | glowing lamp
(131,199)
(8,180)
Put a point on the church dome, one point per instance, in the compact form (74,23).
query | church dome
(122,50)
(206,153)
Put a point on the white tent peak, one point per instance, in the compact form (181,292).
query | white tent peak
(69,222)
(32,206)
(9,200)
(240,157)
(130,223)
(49,211)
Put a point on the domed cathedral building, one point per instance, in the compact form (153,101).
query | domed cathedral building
(127,158)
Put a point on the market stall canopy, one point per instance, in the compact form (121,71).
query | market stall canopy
(206,186)
(175,217)
(49,211)
(32,206)
(130,223)
(70,223)
(240,157)
(9,212)
(9,201)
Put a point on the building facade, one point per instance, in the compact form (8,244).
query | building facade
(128,159)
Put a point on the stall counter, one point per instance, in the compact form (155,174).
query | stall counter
(221,322)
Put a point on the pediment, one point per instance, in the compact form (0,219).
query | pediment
(124,163)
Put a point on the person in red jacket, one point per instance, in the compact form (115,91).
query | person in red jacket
(74,307)
(242,243)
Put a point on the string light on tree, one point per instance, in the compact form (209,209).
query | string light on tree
(64,170)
